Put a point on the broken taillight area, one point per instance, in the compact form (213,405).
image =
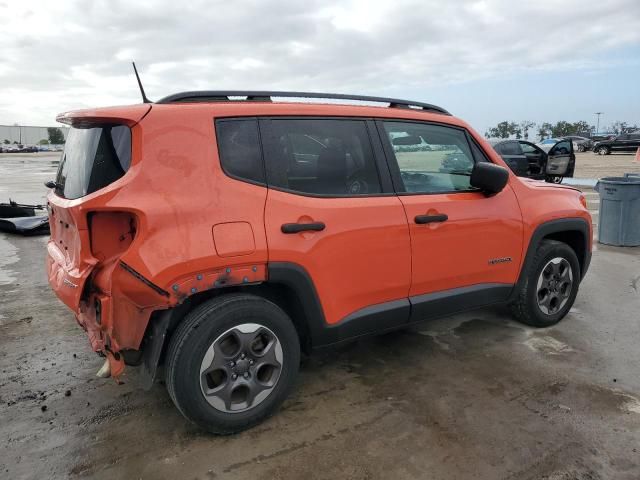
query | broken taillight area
(111,233)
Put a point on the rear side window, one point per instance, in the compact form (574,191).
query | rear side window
(510,148)
(320,156)
(239,149)
(92,159)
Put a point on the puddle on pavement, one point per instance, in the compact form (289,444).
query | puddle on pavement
(548,344)
(611,398)
(8,256)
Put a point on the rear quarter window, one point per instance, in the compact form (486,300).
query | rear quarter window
(239,149)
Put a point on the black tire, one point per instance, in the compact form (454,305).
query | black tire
(602,150)
(581,148)
(526,308)
(193,338)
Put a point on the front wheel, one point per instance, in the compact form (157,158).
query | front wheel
(581,148)
(550,285)
(602,151)
(232,362)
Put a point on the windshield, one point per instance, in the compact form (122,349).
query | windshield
(92,159)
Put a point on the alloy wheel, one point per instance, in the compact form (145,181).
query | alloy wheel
(554,287)
(241,368)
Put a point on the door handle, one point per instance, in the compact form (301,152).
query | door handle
(422,219)
(302,227)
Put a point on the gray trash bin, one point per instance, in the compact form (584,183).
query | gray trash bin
(619,222)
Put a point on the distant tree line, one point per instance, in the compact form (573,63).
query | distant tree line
(544,130)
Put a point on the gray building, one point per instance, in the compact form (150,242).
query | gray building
(27,134)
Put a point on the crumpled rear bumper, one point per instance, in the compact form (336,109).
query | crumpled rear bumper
(68,283)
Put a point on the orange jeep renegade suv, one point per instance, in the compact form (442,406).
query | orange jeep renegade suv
(219,234)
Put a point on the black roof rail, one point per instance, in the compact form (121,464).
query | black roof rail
(267,96)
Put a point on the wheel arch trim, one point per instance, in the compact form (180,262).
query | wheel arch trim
(552,227)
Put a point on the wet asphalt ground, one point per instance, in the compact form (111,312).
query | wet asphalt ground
(470,396)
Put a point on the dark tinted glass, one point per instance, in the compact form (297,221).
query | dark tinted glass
(561,148)
(239,147)
(92,159)
(317,156)
(478,153)
(510,148)
(526,148)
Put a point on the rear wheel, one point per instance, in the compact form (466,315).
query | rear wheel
(602,150)
(550,286)
(232,362)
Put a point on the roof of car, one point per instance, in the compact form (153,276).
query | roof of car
(132,114)
(496,141)
(268,96)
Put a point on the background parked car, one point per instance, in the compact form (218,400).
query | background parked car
(580,144)
(547,143)
(627,142)
(551,164)
(597,137)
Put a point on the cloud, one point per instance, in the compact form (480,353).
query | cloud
(58,56)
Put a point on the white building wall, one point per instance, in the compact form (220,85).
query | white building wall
(31,135)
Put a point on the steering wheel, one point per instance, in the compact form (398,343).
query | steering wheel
(357,186)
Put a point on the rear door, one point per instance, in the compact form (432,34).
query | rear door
(466,246)
(331,210)
(621,143)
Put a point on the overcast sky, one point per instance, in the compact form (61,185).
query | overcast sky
(485,61)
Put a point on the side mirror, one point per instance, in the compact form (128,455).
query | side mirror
(489,178)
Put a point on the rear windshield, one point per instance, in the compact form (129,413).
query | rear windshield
(92,159)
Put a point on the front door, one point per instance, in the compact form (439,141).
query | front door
(466,246)
(331,211)
(536,158)
(561,160)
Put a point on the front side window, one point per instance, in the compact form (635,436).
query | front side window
(239,148)
(527,148)
(431,158)
(561,148)
(320,156)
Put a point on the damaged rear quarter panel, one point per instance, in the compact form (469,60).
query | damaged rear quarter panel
(177,192)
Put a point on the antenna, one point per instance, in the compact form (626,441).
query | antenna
(144,97)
